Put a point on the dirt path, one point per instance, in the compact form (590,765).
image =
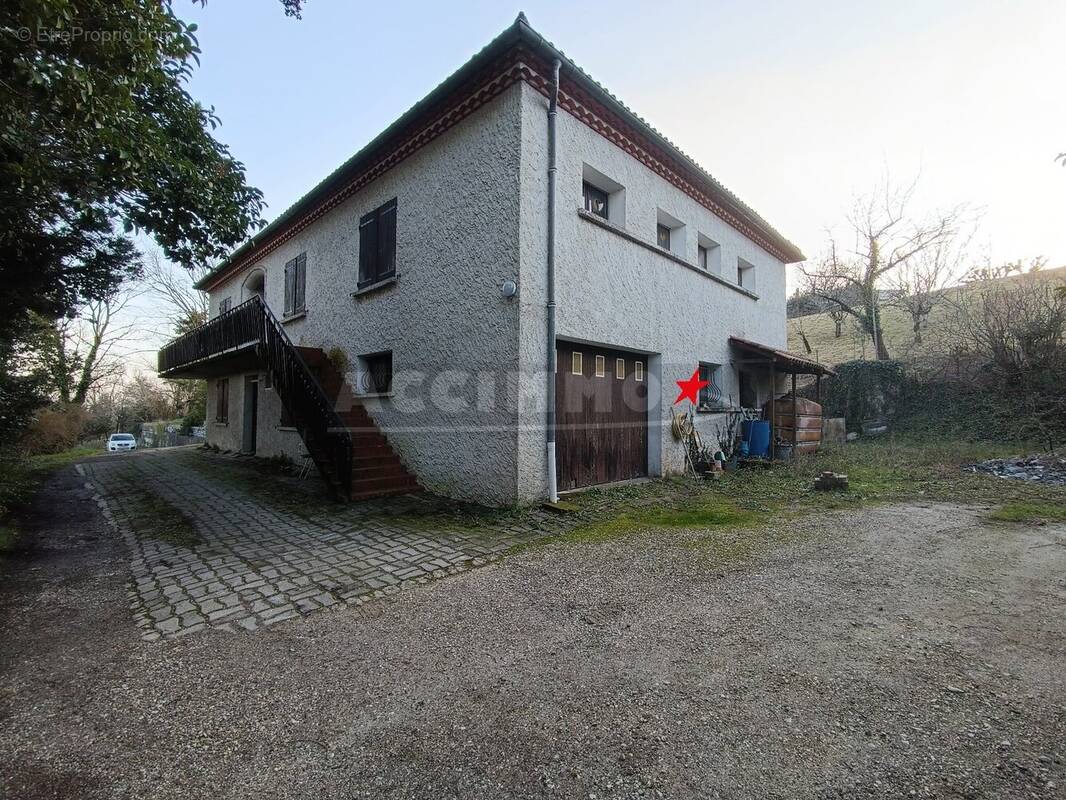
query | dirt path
(903,651)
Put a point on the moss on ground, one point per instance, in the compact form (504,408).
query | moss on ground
(155,517)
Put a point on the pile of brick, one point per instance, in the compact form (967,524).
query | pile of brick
(829,481)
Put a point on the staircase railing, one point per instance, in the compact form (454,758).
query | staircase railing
(252,324)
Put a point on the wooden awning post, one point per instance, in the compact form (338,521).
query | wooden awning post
(773,409)
(795,417)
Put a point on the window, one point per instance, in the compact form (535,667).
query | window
(378,372)
(576,363)
(377,245)
(638,370)
(669,232)
(745,274)
(222,400)
(295,285)
(595,199)
(662,236)
(225,304)
(620,368)
(601,366)
(709,254)
(711,394)
(603,196)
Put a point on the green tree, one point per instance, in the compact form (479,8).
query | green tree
(99,140)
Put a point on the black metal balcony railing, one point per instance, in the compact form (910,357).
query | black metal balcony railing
(251,324)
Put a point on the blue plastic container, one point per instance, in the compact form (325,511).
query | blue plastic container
(756,432)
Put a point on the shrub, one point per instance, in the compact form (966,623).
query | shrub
(56,428)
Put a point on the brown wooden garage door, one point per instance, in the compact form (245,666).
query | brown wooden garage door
(601,416)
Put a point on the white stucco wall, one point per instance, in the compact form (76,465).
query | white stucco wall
(452,415)
(613,292)
(467,412)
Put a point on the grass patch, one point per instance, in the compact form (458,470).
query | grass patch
(1030,512)
(730,511)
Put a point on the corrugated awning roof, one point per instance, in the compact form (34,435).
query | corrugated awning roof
(782,360)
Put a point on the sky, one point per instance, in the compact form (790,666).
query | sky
(797,107)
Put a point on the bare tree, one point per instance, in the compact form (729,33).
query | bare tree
(838,315)
(920,282)
(184,307)
(886,239)
(81,351)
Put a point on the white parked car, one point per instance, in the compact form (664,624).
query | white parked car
(121,441)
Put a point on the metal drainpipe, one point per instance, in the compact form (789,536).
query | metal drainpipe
(553,486)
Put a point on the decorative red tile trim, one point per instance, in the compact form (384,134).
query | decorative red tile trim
(521,65)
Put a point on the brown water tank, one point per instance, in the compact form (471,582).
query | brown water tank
(798,415)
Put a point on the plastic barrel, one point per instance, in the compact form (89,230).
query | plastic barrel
(757,434)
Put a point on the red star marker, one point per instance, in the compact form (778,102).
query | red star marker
(690,389)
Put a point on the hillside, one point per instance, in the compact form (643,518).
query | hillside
(896,322)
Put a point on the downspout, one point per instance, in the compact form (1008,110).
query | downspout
(553,486)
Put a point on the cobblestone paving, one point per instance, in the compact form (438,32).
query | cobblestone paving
(266,549)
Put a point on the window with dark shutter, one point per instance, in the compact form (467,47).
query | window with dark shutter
(225,304)
(222,400)
(295,285)
(377,244)
(300,295)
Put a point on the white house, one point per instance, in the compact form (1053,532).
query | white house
(394,323)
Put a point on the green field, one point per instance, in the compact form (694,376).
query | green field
(896,322)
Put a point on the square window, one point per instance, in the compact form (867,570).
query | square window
(596,200)
(603,196)
(378,378)
(620,368)
(576,365)
(638,370)
(662,236)
(601,366)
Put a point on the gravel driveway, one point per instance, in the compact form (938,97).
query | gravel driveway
(913,651)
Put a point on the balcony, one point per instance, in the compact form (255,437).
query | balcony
(226,344)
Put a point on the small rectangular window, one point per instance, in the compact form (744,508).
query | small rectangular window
(638,370)
(576,364)
(662,236)
(377,244)
(222,400)
(225,304)
(709,254)
(295,285)
(620,368)
(378,378)
(601,366)
(595,199)
(745,273)
(711,394)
